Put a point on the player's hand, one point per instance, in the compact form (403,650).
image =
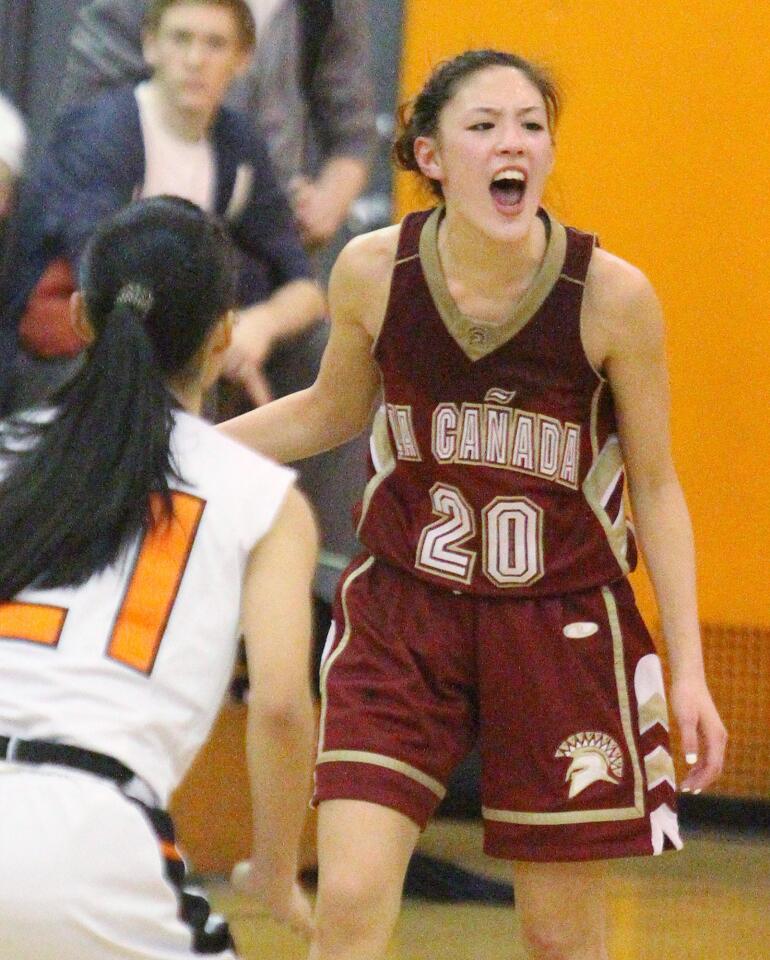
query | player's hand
(249,348)
(703,734)
(318,211)
(286,902)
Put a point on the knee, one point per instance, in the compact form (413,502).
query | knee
(554,940)
(349,902)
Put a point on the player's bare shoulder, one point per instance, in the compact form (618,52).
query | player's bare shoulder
(621,311)
(359,284)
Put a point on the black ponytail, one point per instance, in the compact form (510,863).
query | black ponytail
(79,477)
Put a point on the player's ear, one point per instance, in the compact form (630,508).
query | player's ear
(428,157)
(225,331)
(552,161)
(79,319)
(242,65)
(219,339)
(212,352)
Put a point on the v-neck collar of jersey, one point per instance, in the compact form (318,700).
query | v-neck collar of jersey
(475,338)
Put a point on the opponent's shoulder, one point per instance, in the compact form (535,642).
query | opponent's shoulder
(620,303)
(296,519)
(229,463)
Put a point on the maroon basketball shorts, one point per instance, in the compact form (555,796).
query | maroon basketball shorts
(564,696)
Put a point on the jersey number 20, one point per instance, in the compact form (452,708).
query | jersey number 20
(148,599)
(512,532)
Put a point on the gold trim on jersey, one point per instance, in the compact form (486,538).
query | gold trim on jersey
(477,338)
(582,323)
(624,700)
(383,458)
(328,659)
(653,711)
(624,708)
(659,767)
(389,763)
(600,483)
(597,395)
(360,756)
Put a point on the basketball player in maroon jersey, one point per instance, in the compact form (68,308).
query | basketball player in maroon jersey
(522,377)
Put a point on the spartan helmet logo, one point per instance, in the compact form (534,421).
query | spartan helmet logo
(595,756)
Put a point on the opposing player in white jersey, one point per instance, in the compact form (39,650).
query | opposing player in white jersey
(135,543)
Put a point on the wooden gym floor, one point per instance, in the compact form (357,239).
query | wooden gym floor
(710,902)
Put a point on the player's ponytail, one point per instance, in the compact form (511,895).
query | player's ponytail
(78,477)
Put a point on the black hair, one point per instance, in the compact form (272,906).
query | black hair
(420,116)
(155,279)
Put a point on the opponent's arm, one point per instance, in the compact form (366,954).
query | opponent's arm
(339,404)
(321,205)
(276,619)
(635,365)
(292,308)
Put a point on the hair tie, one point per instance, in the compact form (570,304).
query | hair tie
(136,295)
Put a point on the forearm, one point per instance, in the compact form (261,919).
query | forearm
(291,309)
(280,757)
(343,177)
(295,427)
(666,539)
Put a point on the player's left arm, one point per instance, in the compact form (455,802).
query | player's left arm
(626,318)
(277,626)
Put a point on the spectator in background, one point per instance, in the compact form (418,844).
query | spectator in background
(309,89)
(170,134)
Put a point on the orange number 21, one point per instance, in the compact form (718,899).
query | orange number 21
(147,602)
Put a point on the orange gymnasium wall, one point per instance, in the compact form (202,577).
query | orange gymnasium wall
(663,152)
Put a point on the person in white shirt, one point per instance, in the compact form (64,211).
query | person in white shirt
(13,141)
(137,544)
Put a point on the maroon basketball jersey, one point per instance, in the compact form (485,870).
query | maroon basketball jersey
(496,466)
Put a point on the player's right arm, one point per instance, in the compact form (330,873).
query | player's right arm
(277,624)
(339,404)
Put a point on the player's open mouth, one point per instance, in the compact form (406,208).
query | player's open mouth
(508,188)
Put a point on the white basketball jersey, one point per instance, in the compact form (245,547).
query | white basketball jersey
(135,662)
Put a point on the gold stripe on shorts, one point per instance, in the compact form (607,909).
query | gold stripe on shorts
(344,640)
(624,705)
(389,763)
